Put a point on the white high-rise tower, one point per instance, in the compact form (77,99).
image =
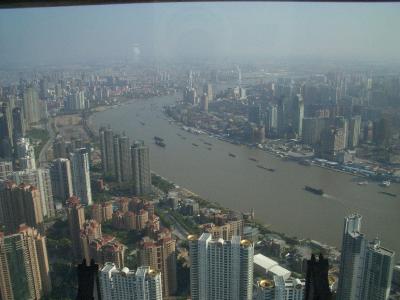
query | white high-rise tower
(221,269)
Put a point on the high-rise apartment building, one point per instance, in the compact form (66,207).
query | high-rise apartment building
(115,155)
(117,159)
(90,231)
(221,269)
(76,219)
(20,205)
(280,289)
(24,266)
(141,168)
(298,114)
(18,123)
(6,168)
(61,178)
(76,101)
(354,131)
(81,175)
(25,154)
(107,151)
(352,259)
(378,271)
(125,158)
(160,255)
(292,288)
(366,268)
(6,130)
(312,129)
(39,178)
(125,284)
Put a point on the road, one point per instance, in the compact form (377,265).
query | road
(178,231)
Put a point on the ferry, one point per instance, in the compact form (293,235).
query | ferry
(385,183)
(310,189)
(160,143)
(232,155)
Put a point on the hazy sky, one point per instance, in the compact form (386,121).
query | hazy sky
(73,34)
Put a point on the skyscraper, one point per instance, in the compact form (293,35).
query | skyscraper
(7,123)
(365,268)
(18,123)
(117,158)
(24,266)
(107,151)
(280,289)
(125,284)
(6,168)
(81,175)
(76,219)
(298,114)
(254,114)
(352,259)
(221,269)
(160,255)
(61,178)
(39,178)
(354,131)
(75,102)
(141,168)
(125,158)
(20,204)
(378,270)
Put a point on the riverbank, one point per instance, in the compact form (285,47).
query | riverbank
(278,198)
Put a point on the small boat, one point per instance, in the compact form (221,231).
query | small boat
(209,148)
(362,182)
(271,170)
(388,194)
(253,159)
(143,123)
(232,155)
(385,183)
(157,138)
(194,144)
(310,189)
(207,143)
(262,167)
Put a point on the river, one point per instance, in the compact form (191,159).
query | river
(278,198)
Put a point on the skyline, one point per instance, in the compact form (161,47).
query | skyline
(216,31)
